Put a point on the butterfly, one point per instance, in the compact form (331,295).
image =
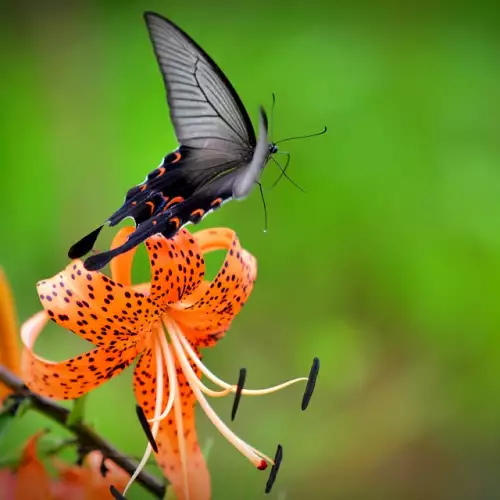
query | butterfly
(219,157)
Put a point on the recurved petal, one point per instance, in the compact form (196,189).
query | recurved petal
(173,435)
(207,319)
(121,265)
(177,267)
(76,376)
(94,306)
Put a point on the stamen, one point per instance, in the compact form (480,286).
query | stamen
(275,468)
(232,388)
(169,361)
(116,494)
(311,383)
(237,395)
(181,441)
(156,425)
(145,427)
(239,444)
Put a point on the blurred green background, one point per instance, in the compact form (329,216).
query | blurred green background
(388,268)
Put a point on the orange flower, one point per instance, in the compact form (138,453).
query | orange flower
(9,333)
(125,322)
(32,481)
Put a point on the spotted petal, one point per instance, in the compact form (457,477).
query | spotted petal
(177,267)
(218,303)
(169,454)
(94,306)
(76,376)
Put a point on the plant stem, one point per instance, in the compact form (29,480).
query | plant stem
(87,437)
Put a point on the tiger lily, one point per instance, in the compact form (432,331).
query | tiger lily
(126,322)
(32,481)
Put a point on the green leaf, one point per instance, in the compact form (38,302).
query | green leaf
(77,413)
(12,409)
(6,420)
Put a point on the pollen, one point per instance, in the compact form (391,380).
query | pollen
(262,465)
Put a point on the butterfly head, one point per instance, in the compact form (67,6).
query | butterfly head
(273,148)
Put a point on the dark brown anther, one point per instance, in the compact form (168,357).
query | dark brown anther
(311,383)
(275,468)
(145,427)
(116,494)
(237,394)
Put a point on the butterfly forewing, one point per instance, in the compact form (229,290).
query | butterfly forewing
(204,107)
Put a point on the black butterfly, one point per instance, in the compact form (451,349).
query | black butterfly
(219,157)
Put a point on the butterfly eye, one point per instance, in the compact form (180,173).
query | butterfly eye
(273,149)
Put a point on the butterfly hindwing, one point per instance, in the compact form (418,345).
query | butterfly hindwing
(172,219)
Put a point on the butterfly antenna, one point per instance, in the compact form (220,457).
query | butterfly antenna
(264,204)
(272,116)
(284,168)
(284,174)
(303,136)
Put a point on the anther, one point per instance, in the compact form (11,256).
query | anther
(237,394)
(275,468)
(311,383)
(116,494)
(145,427)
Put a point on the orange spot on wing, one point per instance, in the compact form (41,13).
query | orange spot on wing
(216,202)
(134,203)
(177,157)
(161,171)
(198,212)
(176,221)
(144,187)
(173,201)
(151,205)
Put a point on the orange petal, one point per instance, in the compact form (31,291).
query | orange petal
(9,332)
(177,267)
(169,456)
(76,376)
(94,306)
(206,320)
(97,485)
(87,482)
(121,265)
(33,481)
